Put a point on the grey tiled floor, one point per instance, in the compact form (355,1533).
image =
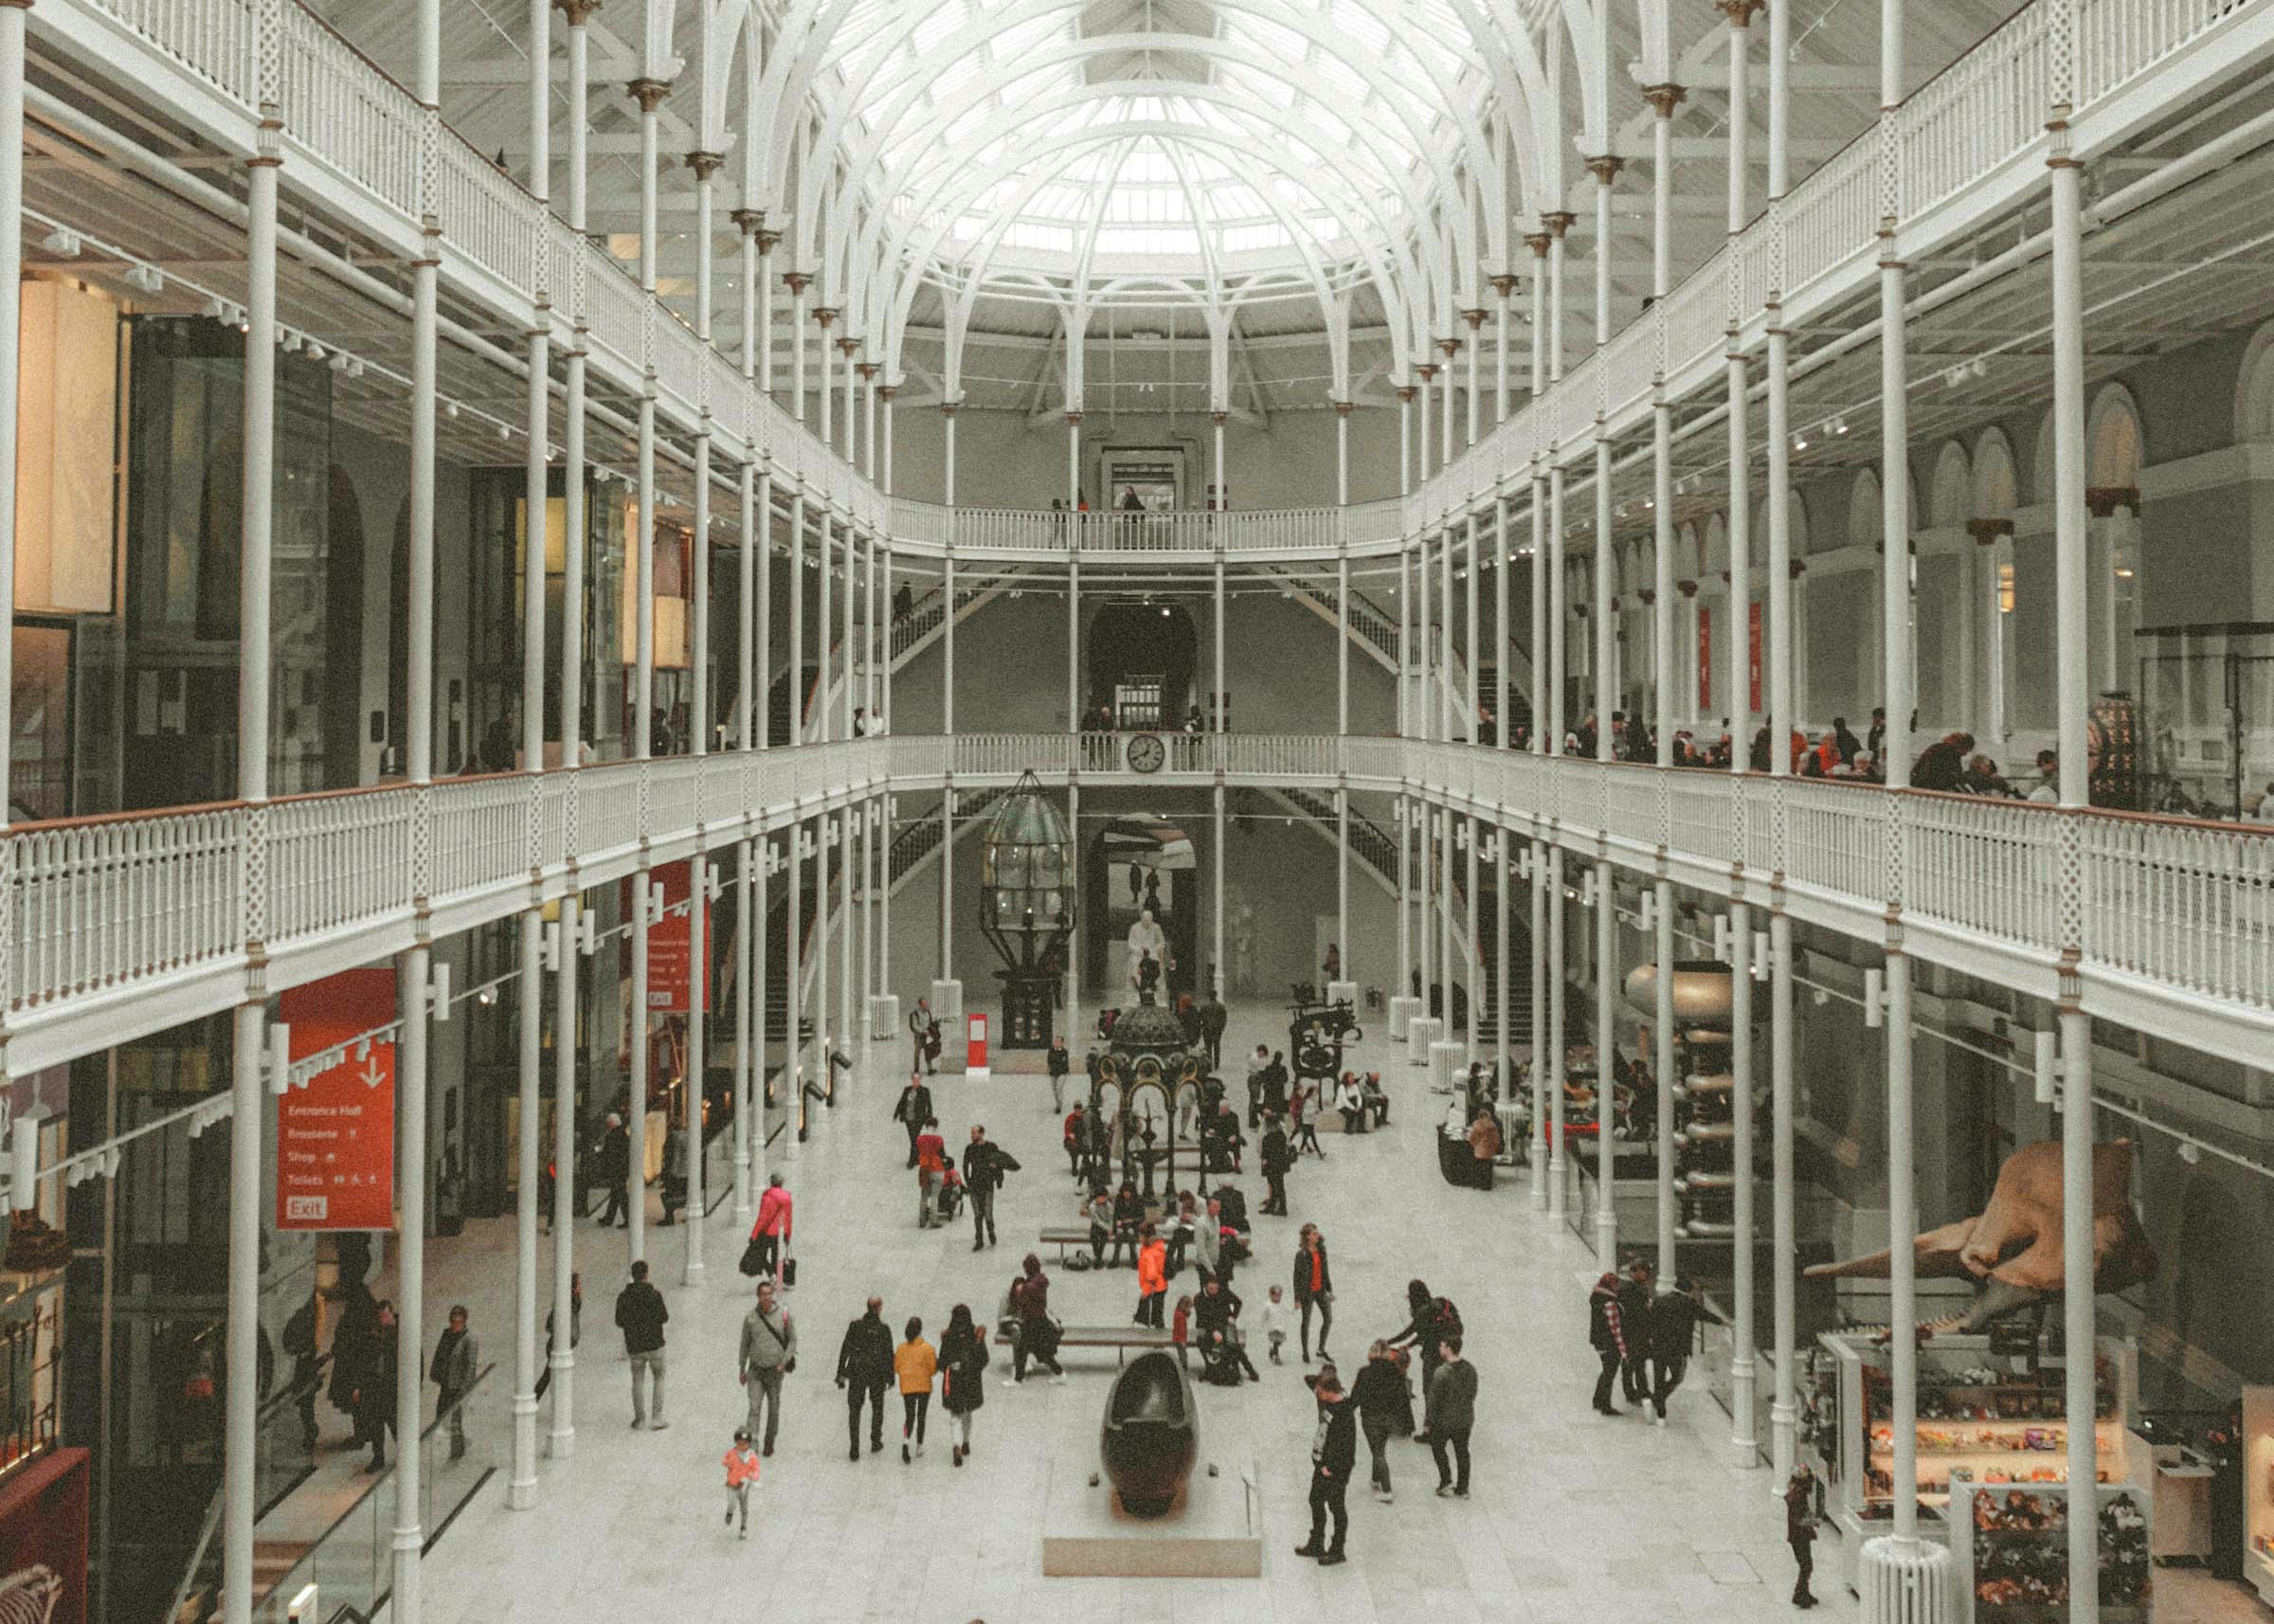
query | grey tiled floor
(1573,1517)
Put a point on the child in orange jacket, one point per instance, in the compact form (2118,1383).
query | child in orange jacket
(1152,1276)
(742,1471)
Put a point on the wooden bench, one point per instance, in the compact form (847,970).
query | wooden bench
(1119,1337)
(1071,1234)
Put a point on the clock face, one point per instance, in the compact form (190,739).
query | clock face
(1147,753)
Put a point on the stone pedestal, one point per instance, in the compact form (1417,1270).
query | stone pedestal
(1446,1061)
(1342,992)
(1215,1530)
(1420,1032)
(884,1017)
(1401,1015)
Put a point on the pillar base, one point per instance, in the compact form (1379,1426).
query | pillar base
(1342,992)
(946,1002)
(1446,1060)
(1401,1015)
(1420,1032)
(1784,1428)
(1606,1236)
(1903,1581)
(884,1016)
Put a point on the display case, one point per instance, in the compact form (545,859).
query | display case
(1985,1420)
(2258,1491)
(2010,1551)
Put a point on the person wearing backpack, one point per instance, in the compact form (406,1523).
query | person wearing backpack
(1434,1319)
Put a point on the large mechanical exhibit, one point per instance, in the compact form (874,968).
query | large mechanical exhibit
(1706,1147)
(1026,908)
(1151,1433)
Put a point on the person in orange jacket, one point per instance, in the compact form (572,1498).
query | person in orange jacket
(742,1471)
(1152,1276)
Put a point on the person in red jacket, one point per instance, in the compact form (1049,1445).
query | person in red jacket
(773,1229)
(1152,1277)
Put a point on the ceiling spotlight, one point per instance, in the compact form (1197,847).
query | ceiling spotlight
(450,409)
(1800,441)
(314,351)
(505,431)
(339,362)
(1839,426)
(148,277)
(354,365)
(214,310)
(63,241)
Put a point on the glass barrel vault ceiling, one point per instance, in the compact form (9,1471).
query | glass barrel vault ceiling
(1156,138)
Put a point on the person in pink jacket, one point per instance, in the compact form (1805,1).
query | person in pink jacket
(742,1471)
(773,1229)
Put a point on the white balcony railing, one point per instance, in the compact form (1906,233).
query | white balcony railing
(2179,913)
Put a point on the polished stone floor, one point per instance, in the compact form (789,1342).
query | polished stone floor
(1573,1518)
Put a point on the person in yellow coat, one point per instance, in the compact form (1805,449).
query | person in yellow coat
(915,1363)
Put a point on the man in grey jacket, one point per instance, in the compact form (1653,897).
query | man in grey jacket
(769,1351)
(455,1362)
(1451,1410)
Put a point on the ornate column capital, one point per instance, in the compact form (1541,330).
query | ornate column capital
(1220,417)
(847,343)
(886,391)
(2103,500)
(1605,168)
(868,370)
(768,241)
(1342,408)
(824,314)
(704,165)
(1451,346)
(1986,531)
(1428,370)
(649,93)
(1687,588)
(749,222)
(1505,283)
(947,408)
(1559,223)
(1740,13)
(1537,242)
(1664,98)
(1405,394)
(577,12)
(797,281)
(1073,420)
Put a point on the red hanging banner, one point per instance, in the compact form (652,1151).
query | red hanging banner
(670,961)
(1704,660)
(1753,654)
(335,1137)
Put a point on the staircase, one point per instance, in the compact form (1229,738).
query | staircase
(924,623)
(1376,851)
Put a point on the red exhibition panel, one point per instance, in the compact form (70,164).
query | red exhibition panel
(975,1054)
(670,967)
(336,1138)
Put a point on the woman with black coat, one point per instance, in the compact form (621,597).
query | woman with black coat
(1381,1397)
(962,1377)
(1800,1531)
(1315,1285)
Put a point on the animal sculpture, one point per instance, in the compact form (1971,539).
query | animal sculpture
(2012,1249)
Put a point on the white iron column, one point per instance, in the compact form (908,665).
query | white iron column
(1342,455)
(1547,1068)
(521,1492)
(1663,99)
(1744,1443)
(692,1270)
(1475,318)
(1605,170)
(1502,286)
(1073,571)
(793,1027)
(1405,440)
(1342,719)
(240,1487)
(2071,559)
(1219,723)
(1783,1411)
(1476,830)
(1427,372)
(566,1047)
(412,968)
